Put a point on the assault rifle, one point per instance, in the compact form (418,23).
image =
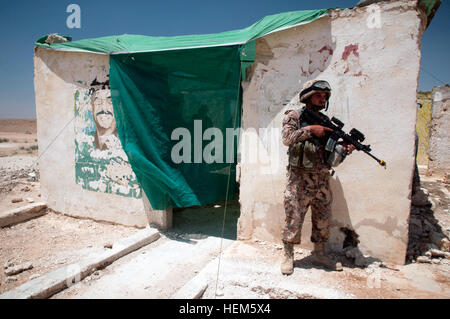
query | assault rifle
(355,137)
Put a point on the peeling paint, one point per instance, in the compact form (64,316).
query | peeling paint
(351,48)
(100,162)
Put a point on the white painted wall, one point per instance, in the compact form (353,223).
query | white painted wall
(373,70)
(57,77)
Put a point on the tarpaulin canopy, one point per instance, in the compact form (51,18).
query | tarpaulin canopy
(139,43)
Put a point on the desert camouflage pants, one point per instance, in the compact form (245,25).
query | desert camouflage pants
(306,190)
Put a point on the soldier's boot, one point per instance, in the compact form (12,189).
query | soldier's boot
(320,258)
(287,265)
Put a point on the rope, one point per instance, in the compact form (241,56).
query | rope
(228,181)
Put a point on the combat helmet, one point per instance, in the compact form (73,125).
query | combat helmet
(313,86)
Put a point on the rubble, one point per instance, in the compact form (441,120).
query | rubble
(10,271)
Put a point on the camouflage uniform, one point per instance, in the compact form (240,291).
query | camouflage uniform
(308,181)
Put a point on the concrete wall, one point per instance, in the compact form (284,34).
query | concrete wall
(371,57)
(439,145)
(84,173)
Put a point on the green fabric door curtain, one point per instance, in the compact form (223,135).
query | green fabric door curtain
(174,99)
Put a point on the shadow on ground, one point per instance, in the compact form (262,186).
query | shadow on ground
(195,223)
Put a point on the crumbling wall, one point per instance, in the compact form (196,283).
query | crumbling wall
(371,58)
(83,169)
(439,144)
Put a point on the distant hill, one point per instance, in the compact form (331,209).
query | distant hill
(18,126)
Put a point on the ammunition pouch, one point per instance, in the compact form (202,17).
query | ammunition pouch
(304,154)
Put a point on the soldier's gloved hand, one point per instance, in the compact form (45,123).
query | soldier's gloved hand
(319,130)
(349,147)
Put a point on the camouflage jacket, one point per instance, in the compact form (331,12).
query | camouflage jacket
(305,150)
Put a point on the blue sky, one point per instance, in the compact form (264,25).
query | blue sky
(23,22)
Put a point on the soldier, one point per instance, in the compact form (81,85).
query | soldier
(308,174)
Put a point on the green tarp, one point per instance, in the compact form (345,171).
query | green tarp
(165,99)
(139,43)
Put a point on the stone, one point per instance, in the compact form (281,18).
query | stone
(444,244)
(423,260)
(29,200)
(434,202)
(428,254)
(17,200)
(108,245)
(437,253)
(18,269)
(8,264)
(436,261)
(446,178)
(10,279)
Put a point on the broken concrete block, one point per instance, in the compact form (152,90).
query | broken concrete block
(18,269)
(21,214)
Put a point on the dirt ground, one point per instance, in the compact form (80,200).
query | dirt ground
(248,269)
(50,241)
(53,241)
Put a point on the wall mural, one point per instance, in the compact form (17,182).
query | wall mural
(100,163)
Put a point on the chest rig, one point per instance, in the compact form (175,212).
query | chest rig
(309,154)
